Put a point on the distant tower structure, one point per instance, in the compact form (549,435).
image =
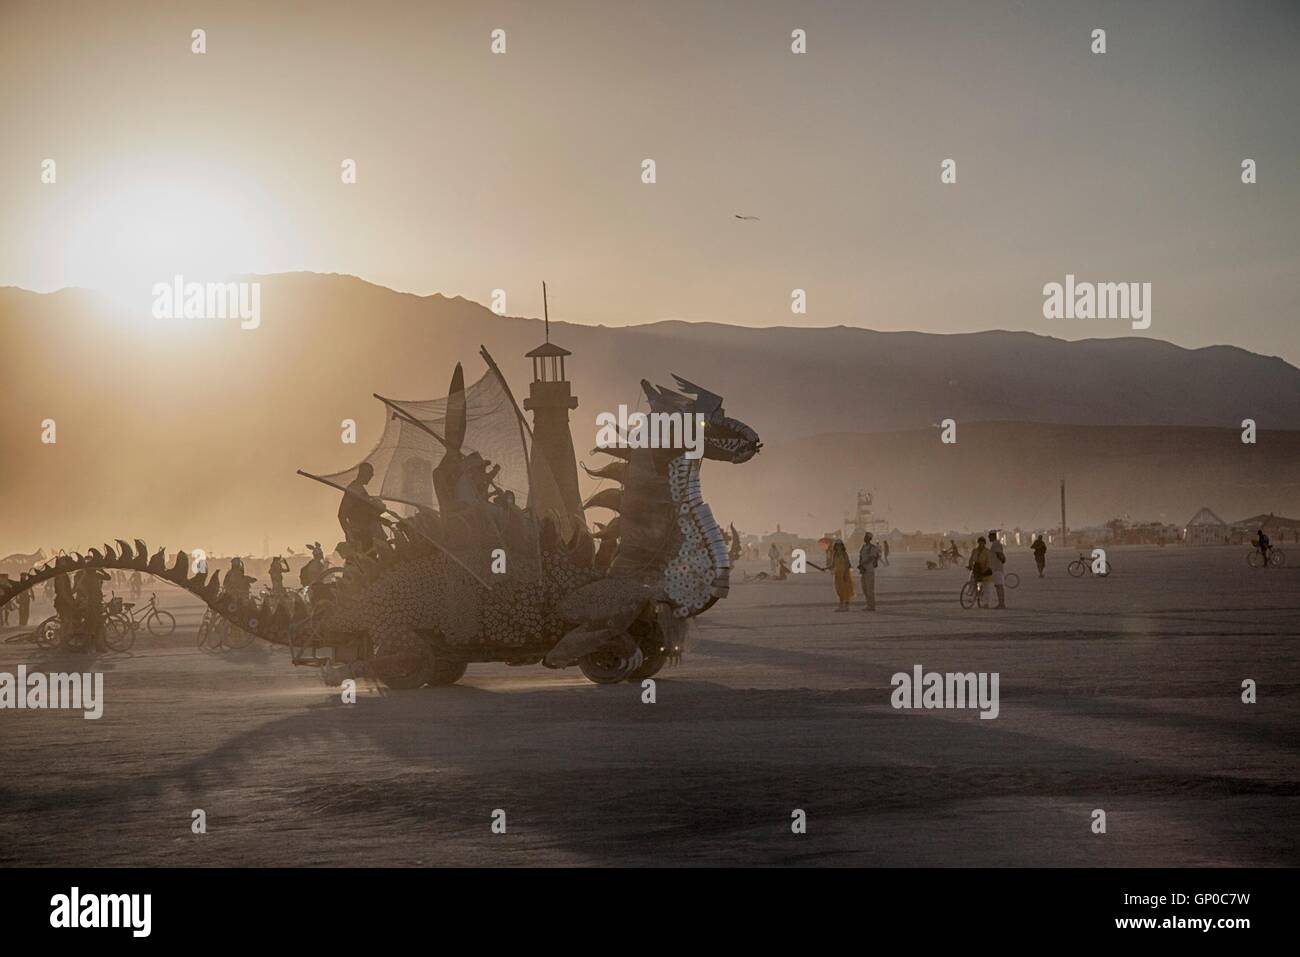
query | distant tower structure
(549,400)
(863,520)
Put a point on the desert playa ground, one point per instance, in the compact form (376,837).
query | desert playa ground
(1122,694)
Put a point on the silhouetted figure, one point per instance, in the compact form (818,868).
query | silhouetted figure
(278,567)
(842,571)
(88,590)
(360,513)
(1040,554)
(868,558)
(997,562)
(310,573)
(1263,544)
(237,583)
(24,600)
(978,564)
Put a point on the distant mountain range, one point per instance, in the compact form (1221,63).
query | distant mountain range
(195,427)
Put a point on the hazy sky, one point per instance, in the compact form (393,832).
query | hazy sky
(478,171)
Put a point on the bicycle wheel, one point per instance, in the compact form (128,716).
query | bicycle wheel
(118,635)
(205,628)
(160,623)
(1076,568)
(1255,558)
(1105,570)
(967,596)
(1012,579)
(49,632)
(1277,558)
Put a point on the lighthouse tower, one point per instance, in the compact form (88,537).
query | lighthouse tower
(549,400)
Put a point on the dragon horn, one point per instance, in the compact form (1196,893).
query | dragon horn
(705,401)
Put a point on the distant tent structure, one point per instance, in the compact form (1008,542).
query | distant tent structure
(1205,528)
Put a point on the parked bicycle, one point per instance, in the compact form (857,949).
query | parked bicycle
(216,634)
(160,623)
(1083,566)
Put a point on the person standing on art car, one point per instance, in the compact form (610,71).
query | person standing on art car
(868,559)
(361,514)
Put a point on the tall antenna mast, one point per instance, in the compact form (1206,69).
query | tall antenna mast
(546,312)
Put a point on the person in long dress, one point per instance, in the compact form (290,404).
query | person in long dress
(842,570)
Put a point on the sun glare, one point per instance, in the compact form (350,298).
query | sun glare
(130,232)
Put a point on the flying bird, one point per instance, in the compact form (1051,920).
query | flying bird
(738,216)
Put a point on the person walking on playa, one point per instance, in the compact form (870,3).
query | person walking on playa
(842,570)
(868,559)
(1040,553)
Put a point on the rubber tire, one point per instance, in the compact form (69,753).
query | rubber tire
(652,665)
(1010,583)
(447,673)
(48,632)
(1277,558)
(163,619)
(1076,568)
(603,672)
(967,596)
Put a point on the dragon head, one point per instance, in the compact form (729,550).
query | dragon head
(725,439)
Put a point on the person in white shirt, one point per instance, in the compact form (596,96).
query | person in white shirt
(868,558)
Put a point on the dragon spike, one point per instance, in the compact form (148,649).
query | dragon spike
(705,401)
(141,554)
(213,588)
(611,470)
(610,498)
(617,452)
(612,530)
(158,563)
(180,572)
(94,558)
(110,556)
(124,551)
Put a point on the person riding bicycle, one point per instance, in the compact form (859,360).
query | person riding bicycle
(1263,544)
(979,565)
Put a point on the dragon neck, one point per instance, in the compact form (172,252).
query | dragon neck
(668,536)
